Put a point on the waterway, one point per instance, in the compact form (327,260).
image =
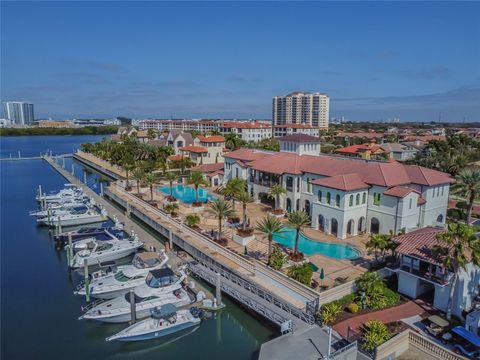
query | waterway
(38,309)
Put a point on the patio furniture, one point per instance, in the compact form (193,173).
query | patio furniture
(436,325)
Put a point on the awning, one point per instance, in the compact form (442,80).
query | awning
(438,321)
(467,335)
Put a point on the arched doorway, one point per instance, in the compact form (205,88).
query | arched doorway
(440,218)
(289,205)
(361,224)
(297,207)
(374,226)
(350,227)
(321,223)
(307,207)
(334,227)
(265,199)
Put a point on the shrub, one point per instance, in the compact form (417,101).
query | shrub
(330,312)
(375,333)
(192,220)
(302,273)
(277,258)
(353,308)
(391,297)
(345,300)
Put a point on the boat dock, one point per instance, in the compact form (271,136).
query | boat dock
(286,303)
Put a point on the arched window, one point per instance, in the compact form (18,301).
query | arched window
(350,201)
(328,198)
(320,195)
(357,200)
(364,198)
(337,200)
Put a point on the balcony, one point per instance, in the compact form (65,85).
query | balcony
(423,272)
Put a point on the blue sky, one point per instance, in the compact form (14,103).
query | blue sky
(228,59)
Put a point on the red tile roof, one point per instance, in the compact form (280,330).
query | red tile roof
(194,149)
(399,191)
(355,149)
(212,138)
(208,168)
(419,243)
(175,157)
(380,173)
(348,182)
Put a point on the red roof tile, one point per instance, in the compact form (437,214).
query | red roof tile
(194,149)
(399,191)
(175,157)
(355,149)
(348,182)
(419,243)
(424,176)
(212,138)
(208,168)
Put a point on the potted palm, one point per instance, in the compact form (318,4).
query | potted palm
(221,209)
(170,177)
(297,220)
(172,209)
(192,220)
(196,179)
(244,234)
(274,193)
(150,180)
(269,226)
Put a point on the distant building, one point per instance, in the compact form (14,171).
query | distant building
(55,124)
(301,108)
(285,130)
(300,144)
(5,123)
(369,151)
(19,112)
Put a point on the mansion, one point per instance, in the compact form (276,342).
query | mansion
(343,196)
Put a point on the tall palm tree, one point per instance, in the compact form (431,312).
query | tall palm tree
(269,226)
(170,177)
(275,192)
(468,185)
(232,141)
(138,175)
(245,198)
(196,179)
(221,209)
(457,246)
(161,163)
(150,180)
(234,187)
(298,220)
(377,242)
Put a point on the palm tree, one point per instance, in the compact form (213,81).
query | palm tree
(298,220)
(234,187)
(192,220)
(232,141)
(468,185)
(151,134)
(150,180)
(170,177)
(161,163)
(457,246)
(221,209)
(128,166)
(269,226)
(369,281)
(245,198)
(138,175)
(196,179)
(171,208)
(275,192)
(377,242)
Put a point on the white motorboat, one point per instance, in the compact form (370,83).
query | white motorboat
(69,192)
(161,287)
(60,209)
(75,216)
(99,233)
(164,321)
(108,285)
(99,251)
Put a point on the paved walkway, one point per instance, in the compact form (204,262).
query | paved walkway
(386,316)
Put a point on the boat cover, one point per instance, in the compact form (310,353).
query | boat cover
(164,311)
(467,335)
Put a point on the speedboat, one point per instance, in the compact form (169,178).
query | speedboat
(55,211)
(99,233)
(76,216)
(161,287)
(164,321)
(69,192)
(110,284)
(98,251)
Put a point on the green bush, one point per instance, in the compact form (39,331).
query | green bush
(345,300)
(302,273)
(277,258)
(375,333)
(330,312)
(391,297)
(353,307)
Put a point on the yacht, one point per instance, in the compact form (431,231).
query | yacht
(60,209)
(99,233)
(110,284)
(164,321)
(100,251)
(161,287)
(69,192)
(76,216)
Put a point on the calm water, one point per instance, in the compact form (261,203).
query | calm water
(187,193)
(310,247)
(38,310)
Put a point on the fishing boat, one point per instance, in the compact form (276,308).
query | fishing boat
(100,251)
(120,280)
(161,287)
(163,321)
(76,216)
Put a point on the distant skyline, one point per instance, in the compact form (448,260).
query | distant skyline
(376,60)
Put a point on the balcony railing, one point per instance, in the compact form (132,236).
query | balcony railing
(423,273)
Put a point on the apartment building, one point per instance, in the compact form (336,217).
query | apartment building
(301,108)
(285,130)
(247,131)
(205,149)
(345,196)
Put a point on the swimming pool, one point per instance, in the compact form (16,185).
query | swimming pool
(311,247)
(187,193)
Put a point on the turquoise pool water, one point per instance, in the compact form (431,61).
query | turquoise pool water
(187,193)
(311,247)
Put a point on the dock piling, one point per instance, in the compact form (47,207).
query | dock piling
(49,217)
(87,280)
(59,226)
(63,162)
(73,170)
(218,289)
(19,154)
(101,189)
(70,251)
(133,308)
(170,239)
(84,177)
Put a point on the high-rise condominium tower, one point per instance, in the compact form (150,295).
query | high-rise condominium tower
(19,112)
(301,108)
